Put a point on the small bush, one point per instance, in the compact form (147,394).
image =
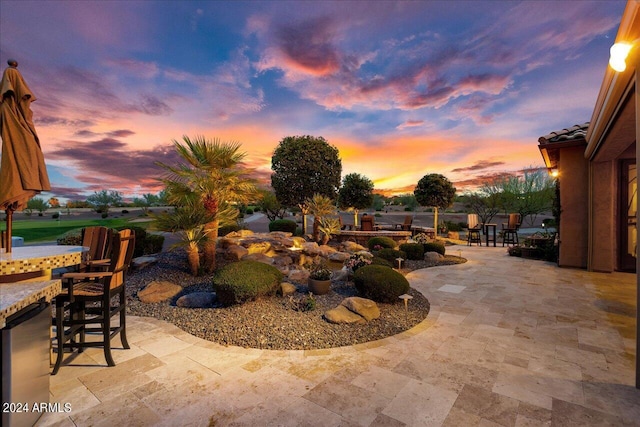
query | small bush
(414,251)
(141,236)
(380,283)
(244,281)
(376,260)
(71,237)
(384,242)
(124,211)
(104,215)
(453,226)
(249,211)
(391,254)
(283,225)
(56,215)
(153,244)
(434,247)
(223,231)
(299,232)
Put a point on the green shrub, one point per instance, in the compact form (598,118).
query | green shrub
(223,231)
(141,236)
(384,242)
(283,225)
(376,260)
(299,232)
(243,281)
(71,237)
(453,226)
(55,215)
(249,211)
(391,254)
(153,244)
(103,215)
(434,247)
(380,283)
(413,250)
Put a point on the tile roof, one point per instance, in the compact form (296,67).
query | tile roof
(572,133)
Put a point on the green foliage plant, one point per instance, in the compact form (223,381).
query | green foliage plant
(391,254)
(384,242)
(355,193)
(414,251)
(376,260)
(269,204)
(210,173)
(103,200)
(243,281)
(36,203)
(436,191)
(286,225)
(434,247)
(380,283)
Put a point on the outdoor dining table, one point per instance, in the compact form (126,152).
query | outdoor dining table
(487,238)
(37,262)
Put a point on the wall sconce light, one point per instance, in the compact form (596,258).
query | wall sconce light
(618,56)
(554,172)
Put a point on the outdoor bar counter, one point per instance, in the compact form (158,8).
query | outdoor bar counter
(29,262)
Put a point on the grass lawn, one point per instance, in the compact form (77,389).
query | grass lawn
(45,230)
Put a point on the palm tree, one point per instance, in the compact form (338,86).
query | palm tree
(188,222)
(210,174)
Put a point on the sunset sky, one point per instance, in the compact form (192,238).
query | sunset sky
(402,89)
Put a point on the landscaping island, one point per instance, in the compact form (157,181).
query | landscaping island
(274,323)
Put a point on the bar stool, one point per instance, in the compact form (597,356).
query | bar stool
(510,232)
(473,234)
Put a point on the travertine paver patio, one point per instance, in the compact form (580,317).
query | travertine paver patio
(509,342)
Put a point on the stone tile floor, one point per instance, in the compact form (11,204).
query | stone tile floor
(508,342)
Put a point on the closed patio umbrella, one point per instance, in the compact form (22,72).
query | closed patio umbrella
(22,170)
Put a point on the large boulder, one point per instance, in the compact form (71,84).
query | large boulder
(258,247)
(143,261)
(326,250)
(298,276)
(342,314)
(157,291)
(352,247)
(362,306)
(339,256)
(340,276)
(311,248)
(282,260)
(433,256)
(259,257)
(236,252)
(197,300)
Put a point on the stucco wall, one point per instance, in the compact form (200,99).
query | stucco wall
(574,219)
(604,202)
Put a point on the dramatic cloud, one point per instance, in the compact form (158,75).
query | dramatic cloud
(480,165)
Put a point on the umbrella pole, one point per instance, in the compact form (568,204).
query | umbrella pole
(8,240)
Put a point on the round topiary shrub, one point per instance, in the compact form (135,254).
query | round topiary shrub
(283,225)
(414,251)
(243,281)
(376,260)
(391,254)
(434,247)
(249,211)
(224,230)
(380,283)
(383,242)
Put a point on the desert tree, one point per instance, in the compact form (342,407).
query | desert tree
(436,191)
(355,193)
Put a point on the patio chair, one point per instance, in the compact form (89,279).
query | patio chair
(98,240)
(98,288)
(367,223)
(473,234)
(406,225)
(510,230)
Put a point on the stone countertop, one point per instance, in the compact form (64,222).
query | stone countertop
(28,259)
(16,296)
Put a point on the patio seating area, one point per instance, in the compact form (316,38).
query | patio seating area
(508,341)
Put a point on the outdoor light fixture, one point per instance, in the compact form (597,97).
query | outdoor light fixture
(618,56)
(554,172)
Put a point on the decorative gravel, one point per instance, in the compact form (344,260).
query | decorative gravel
(275,323)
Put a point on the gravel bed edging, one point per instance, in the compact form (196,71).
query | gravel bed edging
(271,323)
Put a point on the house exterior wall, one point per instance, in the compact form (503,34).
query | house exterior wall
(574,218)
(603,216)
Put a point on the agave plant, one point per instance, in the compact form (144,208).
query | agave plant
(320,206)
(328,226)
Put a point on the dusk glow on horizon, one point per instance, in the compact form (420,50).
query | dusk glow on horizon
(401,88)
